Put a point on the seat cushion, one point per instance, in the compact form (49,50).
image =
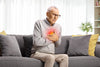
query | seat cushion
(20,62)
(84,61)
(76,61)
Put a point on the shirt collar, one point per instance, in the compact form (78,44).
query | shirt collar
(48,22)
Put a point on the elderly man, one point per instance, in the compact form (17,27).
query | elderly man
(47,36)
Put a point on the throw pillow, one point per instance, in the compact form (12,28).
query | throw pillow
(78,46)
(9,46)
(28,43)
(92,43)
(3,33)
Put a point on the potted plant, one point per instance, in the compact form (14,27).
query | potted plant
(86,27)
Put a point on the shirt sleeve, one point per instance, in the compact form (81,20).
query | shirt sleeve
(38,40)
(57,43)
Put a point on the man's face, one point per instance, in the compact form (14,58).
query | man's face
(53,15)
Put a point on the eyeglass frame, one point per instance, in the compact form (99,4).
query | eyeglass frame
(56,15)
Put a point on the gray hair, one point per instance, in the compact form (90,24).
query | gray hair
(50,8)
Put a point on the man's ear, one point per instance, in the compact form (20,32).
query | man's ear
(47,14)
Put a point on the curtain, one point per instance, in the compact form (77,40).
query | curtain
(19,16)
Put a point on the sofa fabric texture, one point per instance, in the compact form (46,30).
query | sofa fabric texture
(28,43)
(9,46)
(78,46)
(26,61)
(92,43)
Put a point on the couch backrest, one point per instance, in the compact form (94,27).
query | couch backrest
(26,41)
(20,42)
(63,48)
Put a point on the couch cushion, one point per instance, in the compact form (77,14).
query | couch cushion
(76,61)
(79,45)
(92,43)
(63,47)
(3,33)
(9,46)
(20,62)
(97,50)
(28,43)
(84,61)
(20,41)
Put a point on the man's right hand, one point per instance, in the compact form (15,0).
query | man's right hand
(54,37)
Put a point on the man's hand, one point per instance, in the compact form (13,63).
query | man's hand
(54,37)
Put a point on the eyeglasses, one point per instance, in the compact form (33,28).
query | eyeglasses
(56,15)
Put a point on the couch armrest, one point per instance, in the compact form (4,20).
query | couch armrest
(97,51)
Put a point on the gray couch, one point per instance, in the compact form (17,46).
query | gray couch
(25,44)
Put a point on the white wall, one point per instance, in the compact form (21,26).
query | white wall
(90,13)
(19,16)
